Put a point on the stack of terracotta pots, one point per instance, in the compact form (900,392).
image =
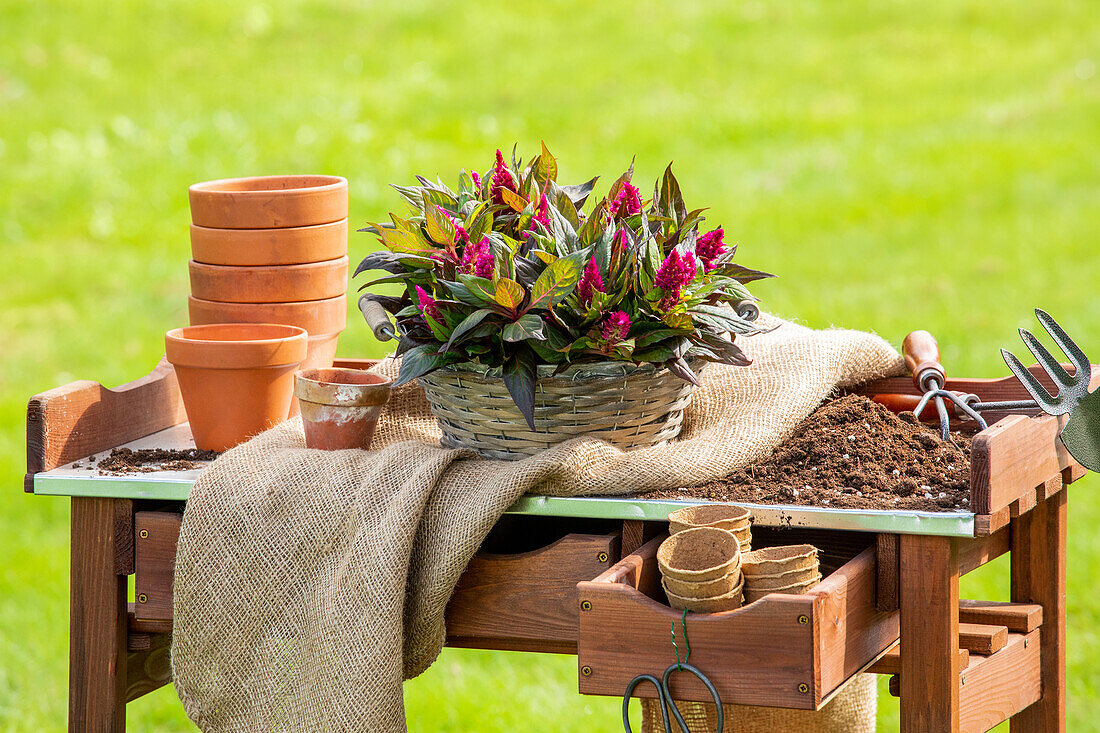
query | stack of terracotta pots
(272,249)
(701,570)
(785,569)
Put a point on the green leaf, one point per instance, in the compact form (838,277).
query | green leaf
(578,193)
(528,326)
(480,288)
(440,227)
(565,236)
(558,280)
(546,167)
(671,197)
(513,199)
(468,324)
(421,360)
(399,240)
(509,293)
(440,198)
(546,257)
(520,375)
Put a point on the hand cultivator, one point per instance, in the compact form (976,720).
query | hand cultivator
(1080,435)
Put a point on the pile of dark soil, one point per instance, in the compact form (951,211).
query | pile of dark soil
(852,453)
(124,460)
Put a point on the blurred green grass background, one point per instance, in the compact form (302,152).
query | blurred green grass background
(901,165)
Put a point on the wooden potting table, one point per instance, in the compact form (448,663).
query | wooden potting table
(572,575)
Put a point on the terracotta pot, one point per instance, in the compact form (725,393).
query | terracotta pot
(269,283)
(288,246)
(316,316)
(236,379)
(699,554)
(263,202)
(340,407)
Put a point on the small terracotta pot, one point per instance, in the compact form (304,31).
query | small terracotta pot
(236,379)
(724,516)
(699,554)
(263,202)
(340,407)
(255,247)
(269,283)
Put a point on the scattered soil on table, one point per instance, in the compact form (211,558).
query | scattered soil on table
(125,460)
(852,453)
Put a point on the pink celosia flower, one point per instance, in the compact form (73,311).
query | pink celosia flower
(427,304)
(676,271)
(477,259)
(462,237)
(502,178)
(590,282)
(476,179)
(710,247)
(627,202)
(615,327)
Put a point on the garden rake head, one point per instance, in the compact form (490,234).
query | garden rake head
(1081,433)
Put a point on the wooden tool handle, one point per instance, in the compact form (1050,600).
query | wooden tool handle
(922,356)
(377,318)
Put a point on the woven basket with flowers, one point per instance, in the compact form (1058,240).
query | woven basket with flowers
(529,321)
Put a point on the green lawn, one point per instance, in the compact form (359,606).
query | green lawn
(901,165)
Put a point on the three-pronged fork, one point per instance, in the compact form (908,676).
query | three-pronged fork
(1081,433)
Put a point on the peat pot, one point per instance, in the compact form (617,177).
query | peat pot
(236,379)
(340,407)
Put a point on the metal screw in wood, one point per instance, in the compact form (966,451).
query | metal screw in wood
(586,671)
(144,534)
(602,557)
(803,619)
(803,688)
(142,598)
(586,605)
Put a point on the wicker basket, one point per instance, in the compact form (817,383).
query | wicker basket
(625,404)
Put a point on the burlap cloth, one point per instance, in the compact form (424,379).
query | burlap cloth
(309,584)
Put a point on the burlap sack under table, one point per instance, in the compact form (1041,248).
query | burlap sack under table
(309,584)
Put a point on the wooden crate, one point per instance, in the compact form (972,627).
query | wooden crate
(783,650)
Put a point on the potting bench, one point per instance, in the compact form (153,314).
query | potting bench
(569,575)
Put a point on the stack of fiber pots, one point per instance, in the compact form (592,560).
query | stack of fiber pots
(785,569)
(730,517)
(272,249)
(701,570)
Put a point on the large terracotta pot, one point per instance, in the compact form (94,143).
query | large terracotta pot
(269,284)
(340,407)
(323,319)
(286,246)
(236,379)
(262,202)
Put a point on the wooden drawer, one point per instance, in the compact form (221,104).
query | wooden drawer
(520,591)
(783,650)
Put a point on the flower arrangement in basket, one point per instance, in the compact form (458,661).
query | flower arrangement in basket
(529,321)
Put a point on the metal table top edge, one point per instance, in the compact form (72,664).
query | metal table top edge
(177,487)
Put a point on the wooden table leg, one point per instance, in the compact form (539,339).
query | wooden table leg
(1039,576)
(97,621)
(929,600)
